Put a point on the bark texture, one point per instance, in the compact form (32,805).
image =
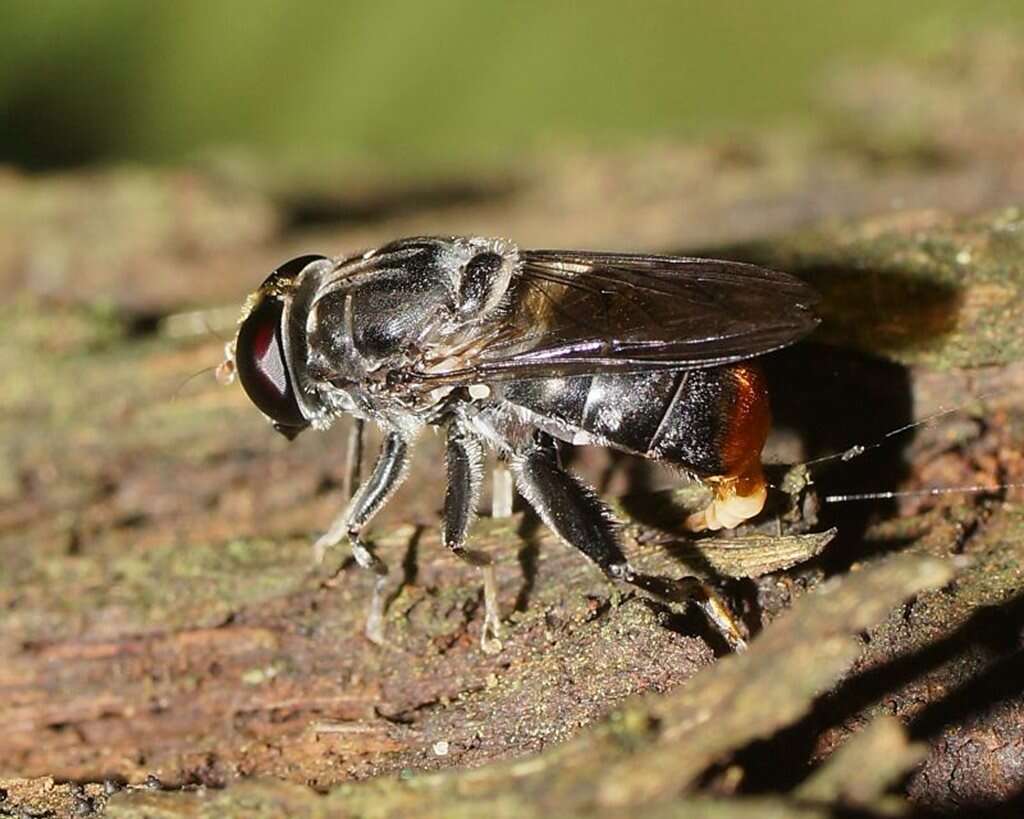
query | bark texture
(166,649)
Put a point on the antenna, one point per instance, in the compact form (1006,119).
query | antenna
(857,450)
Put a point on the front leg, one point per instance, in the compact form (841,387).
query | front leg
(388,473)
(465,461)
(390,470)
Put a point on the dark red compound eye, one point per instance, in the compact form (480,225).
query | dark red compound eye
(259,357)
(260,360)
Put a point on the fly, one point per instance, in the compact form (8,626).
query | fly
(515,351)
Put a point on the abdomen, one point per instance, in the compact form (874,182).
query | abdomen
(711,422)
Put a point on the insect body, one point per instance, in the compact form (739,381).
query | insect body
(515,350)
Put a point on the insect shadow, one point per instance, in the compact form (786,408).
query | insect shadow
(830,399)
(833,397)
(824,400)
(828,395)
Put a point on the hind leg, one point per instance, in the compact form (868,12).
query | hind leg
(574,512)
(568,507)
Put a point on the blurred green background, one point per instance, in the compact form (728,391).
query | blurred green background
(410,84)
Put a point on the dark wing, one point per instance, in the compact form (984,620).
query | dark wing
(574,312)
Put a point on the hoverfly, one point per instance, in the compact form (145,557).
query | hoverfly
(517,350)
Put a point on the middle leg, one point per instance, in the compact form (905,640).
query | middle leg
(465,462)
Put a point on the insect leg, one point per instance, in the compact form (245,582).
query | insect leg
(501,491)
(354,457)
(694,590)
(576,514)
(569,508)
(388,474)
(465,459)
